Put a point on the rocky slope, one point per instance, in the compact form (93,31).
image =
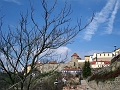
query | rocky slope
(105,83)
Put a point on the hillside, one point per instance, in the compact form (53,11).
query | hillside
(107,78)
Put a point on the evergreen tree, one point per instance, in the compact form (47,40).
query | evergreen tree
(86,71)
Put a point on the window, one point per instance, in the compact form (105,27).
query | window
(108,54)
(74,63)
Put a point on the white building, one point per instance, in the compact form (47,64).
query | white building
(99,64)
(103,59)
(70,71)
(104,56)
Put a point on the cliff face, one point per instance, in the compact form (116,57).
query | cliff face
(108,84)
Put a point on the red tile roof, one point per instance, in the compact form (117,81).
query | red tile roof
(36,63)
(75,54)
(78,57)
(52,62)
(93,62)
(105,62)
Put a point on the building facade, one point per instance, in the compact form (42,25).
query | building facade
(72,66)
(99,64)
(97,60)
(73,63)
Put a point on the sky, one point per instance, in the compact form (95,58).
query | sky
(101,35)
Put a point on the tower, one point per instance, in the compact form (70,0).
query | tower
(74,60)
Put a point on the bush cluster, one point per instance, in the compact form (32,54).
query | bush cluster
(105,76)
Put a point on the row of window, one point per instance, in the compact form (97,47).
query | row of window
(105,54)
(101,65)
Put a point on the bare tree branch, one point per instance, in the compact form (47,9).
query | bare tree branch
(30,42)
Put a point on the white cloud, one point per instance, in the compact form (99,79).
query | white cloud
(56,54)
(14,1)
(111,19)
(62,50)
(101,18)
(60,54)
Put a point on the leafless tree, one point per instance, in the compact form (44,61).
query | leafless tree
(30,42)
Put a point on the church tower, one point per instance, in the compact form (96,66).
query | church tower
(74,61)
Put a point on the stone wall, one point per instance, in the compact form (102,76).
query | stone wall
(107,85)
(50,67)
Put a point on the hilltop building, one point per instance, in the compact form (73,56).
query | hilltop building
(97,60)
(72,66)
(73,63)
(100,60)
